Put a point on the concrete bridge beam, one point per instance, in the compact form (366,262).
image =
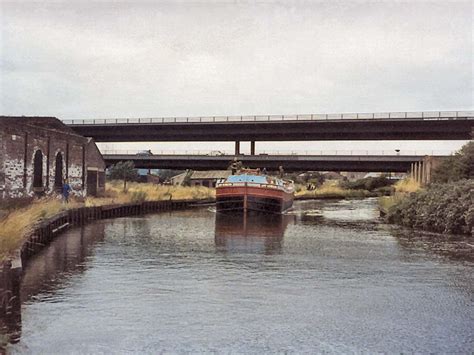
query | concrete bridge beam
(270,162)
(446,128)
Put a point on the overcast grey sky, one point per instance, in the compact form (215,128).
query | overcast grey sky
(78,59)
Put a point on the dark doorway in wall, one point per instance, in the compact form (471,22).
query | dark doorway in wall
(38,171)
(58,172)
(92,182)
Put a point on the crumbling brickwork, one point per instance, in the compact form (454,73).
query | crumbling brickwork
(38,153)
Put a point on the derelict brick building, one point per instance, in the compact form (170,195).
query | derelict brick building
(38,153)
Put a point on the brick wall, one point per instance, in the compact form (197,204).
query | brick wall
(96,167)
(22,138)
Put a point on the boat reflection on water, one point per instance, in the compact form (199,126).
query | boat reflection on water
(242,233)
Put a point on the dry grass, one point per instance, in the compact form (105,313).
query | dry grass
(329,189)
(402,188)
(16,224)
(138,192)
(386,202)
(407,185)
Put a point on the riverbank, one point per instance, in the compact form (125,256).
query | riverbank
(400,191)
(42,233)
(139,192)
(441,208)
(113,279)
(445,206)
(333,190)
(17,223)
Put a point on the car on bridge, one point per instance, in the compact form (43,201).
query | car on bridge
(145,153)
(216,153)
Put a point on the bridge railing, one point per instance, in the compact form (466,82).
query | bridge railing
(145,154)
(426,115)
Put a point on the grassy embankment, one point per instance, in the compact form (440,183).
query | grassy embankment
(446,205)
(446,208)
(139,192)
(332,189)
(401,189)
(17,223)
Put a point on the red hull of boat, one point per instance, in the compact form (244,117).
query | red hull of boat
(252,198)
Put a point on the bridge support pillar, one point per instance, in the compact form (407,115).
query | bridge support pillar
(430,163)
(252,148)
(423,173)
(237,147)
(415,171)
(419,177)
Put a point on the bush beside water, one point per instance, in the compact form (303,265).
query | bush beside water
(446,206)
(369,184)
(367,187)
(442,208)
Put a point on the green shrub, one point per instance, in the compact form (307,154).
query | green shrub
(385,190)
(369,184)
(456,167)
(442,208)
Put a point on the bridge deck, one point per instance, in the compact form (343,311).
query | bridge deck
(364,163)
(454,125)
(428,115)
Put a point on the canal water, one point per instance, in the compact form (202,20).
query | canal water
(327,277)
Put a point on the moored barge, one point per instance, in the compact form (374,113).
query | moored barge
(253,192)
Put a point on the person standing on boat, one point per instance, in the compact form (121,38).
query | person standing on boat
(235,166)
(282,172)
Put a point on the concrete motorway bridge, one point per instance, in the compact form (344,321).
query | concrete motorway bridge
(439,125)
(362,163)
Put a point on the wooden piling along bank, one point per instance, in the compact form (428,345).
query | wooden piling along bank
(45,231)
(9,288)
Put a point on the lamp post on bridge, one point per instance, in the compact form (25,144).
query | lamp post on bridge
(397,151)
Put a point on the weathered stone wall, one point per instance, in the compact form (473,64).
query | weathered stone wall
(75,166)
(95,166)
(22,138)
(13,168)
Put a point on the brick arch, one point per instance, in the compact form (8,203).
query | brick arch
(58,171)
(38,169)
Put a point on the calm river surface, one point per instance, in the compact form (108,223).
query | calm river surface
(328,277)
